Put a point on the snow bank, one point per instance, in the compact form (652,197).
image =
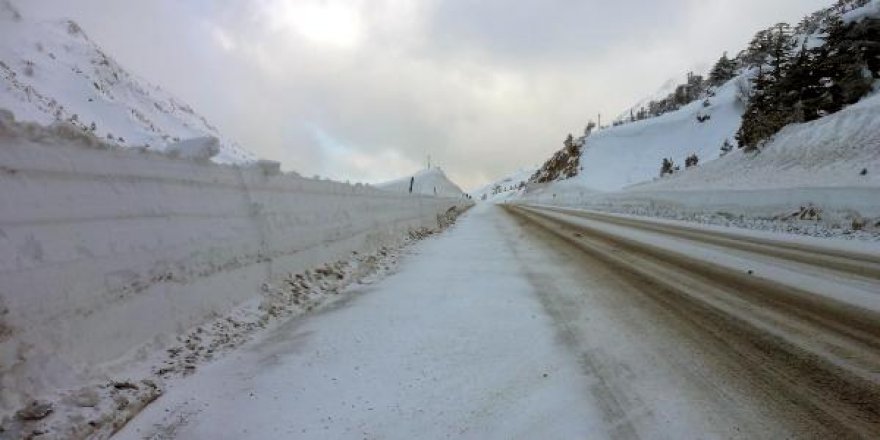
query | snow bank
(105,250)
(432,181)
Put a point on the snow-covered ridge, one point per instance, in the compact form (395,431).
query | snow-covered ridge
(431,181)
(52,71)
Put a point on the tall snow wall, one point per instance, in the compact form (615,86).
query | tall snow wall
(104,250)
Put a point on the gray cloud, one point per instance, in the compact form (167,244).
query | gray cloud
(365,90)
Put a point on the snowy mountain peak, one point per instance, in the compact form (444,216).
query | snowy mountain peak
(431,181)
(52,72)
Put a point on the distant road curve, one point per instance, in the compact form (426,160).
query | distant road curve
(803,318)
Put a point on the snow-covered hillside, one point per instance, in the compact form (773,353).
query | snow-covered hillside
(842,149)
(616,157)
(825,171)
(51,71)
(432,181)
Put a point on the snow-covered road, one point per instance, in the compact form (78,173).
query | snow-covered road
(456,344)
(497,328)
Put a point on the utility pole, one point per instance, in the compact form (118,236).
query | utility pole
(429,161)
(600,121)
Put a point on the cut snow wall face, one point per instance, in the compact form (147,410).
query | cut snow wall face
(104,250)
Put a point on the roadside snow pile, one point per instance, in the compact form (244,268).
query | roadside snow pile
(52,72)
(89,412)
(432,181)
(97,411)
(107,253)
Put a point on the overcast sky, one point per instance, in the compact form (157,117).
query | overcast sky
(365,90)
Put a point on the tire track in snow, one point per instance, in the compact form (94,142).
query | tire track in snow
(814,359)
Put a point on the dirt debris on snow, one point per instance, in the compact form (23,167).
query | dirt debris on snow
(98,411)
(95,411)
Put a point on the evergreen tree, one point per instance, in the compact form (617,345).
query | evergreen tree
(781,46)
(723,71)
(589,128)
(667,167)
(767,112)
(850,59)
(763,116)
(771,47)
(726,147)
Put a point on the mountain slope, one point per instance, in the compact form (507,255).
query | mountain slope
(614,158)
(817,173)
(432,181)
(52,71)
(839,150)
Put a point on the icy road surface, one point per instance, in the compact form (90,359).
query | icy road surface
(501,329)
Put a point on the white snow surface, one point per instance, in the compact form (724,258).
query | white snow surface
(616,157)
(431,181)
(828,152)
(445,348)
(52,71)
